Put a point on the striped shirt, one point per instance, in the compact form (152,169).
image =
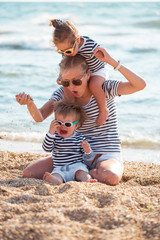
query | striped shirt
(105,138)
(65,151)
(87,51)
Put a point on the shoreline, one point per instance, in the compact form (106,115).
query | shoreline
(40,210)
(129,154)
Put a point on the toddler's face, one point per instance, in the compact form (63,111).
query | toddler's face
(62,128)
(67,48)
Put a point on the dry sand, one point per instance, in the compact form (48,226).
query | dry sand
(34,209)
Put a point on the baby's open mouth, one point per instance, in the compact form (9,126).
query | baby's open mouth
(63,132)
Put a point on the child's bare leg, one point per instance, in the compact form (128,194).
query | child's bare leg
(84,176)
(95,85)
(68,96)
(53,178)
(37,168)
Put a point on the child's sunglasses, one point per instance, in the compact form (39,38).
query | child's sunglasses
(76,82)
(67,51)
(67,124)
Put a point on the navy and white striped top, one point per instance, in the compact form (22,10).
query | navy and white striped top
(87,50)
(65,151)
(105,138)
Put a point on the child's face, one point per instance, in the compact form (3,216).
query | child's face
(67,48)
(62,130)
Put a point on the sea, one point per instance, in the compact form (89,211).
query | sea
(130,31)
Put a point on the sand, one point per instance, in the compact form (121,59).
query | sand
(35,209)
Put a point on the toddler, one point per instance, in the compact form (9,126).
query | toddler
(68,42)
(69,148)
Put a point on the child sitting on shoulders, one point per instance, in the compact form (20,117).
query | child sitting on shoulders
(68,42)
(69,148)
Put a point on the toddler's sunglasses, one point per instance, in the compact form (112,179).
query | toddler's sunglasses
(67,51)
(76,82)
(67,124)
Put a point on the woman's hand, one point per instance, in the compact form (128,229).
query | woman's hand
(86,146)
(24,99)
(53,126)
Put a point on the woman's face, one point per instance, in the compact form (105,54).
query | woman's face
(73,74)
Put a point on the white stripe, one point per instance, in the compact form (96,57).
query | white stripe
(65,150)
(103,138)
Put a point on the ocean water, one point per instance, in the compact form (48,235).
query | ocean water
(29,63)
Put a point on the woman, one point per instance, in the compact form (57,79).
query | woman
(106,166)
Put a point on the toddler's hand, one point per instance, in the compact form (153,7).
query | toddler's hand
(23,98)
(53,126)
(101,54)
(86,146)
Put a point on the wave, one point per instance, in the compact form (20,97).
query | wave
(23,136)
(4,32)
(143,50)
(24,46)
(149,24)
(9,74)
(43,19)
(140,143)
(38,137)
(25,42)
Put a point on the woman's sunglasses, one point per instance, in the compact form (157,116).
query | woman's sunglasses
(76,82)
(67,124)
(67,51)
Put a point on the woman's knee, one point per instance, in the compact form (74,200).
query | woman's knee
(109,172)
(110,178)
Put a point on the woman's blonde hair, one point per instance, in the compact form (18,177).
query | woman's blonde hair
(66,108)
(63,30)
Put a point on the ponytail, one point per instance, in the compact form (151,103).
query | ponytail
(55,22)
(63,30)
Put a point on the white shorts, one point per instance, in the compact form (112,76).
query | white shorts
(96,158)
(67,172)
(103,72)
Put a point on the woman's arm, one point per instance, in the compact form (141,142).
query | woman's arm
(135,83)
(38,114)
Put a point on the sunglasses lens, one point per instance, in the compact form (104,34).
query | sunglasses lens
(68,124)
(77,82)
(60,123)
(68,51)
(59,51)
(65,83)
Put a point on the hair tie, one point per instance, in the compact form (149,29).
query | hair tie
(59,21)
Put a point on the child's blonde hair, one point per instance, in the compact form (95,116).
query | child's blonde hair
(63,30)
(66,108)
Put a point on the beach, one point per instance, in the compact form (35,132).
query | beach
(32,209)
(35,209)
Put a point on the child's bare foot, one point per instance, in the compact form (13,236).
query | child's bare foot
(102,117)
(92,180)
(52,178)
